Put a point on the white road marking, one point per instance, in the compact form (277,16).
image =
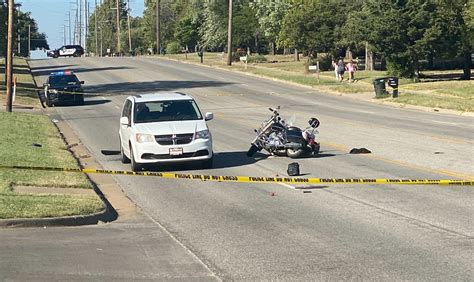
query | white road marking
(443,122)
(287,186)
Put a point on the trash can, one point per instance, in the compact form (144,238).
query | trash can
(393,82)
(379,87)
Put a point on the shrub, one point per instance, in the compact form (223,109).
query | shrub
(172,48)
(257,58)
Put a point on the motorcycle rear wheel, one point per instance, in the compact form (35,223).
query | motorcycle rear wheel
(295,153)
(252,150)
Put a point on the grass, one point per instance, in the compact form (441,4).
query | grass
(21,71)
(20,132)
(448,94)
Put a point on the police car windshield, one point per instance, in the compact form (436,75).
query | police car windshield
(63,80)
(158,111)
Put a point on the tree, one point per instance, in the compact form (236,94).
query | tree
(312,25)
(451,32)
(214,27)
(107,26)
(270,16)
(21,23)
(189,23)
(397,32)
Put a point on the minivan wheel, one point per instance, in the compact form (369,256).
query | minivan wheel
(135,166)
(208,163)
(123,158)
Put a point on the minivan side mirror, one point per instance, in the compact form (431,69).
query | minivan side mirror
(124,121)
(208,116)
(82,82)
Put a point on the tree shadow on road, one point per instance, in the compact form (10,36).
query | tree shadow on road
(134,88)
(48,70)
(86,103)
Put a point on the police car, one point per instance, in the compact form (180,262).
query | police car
(63,87)
(67,51)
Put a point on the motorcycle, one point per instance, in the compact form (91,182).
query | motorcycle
(282,139)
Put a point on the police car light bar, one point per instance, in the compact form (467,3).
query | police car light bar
(61,73)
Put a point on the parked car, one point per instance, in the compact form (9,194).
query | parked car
(63,87)
(164,128)
(66,51)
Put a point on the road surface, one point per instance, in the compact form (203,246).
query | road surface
(271,231)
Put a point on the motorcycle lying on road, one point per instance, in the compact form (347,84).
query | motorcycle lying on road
(279,138)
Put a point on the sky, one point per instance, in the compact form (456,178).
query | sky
(52,15)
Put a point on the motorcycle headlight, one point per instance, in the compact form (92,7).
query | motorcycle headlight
(203,134)
(143,138)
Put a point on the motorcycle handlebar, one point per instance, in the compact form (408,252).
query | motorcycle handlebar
(275,112)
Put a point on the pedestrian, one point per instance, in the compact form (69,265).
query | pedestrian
(351,68)
(340,69)
(334,65)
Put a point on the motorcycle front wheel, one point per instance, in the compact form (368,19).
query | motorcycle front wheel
(294,153)
(252,150)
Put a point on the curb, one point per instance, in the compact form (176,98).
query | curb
(75,220)
(352,96)
(108,213)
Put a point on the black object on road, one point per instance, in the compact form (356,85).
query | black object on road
(360,151)
(293,169)
(110,152)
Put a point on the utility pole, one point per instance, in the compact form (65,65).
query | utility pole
(29,40)
(18,31)
(9,62)
(70,37)
(86,21)
(229,36)
(118,27)
(128,23)
(158,31)
(95,29)
(76,23)
(65,38)
(101,39)
(80,22)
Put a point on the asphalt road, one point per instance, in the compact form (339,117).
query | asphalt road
(271,231)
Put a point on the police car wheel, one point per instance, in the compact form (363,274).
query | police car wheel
(80,100)
(48,102)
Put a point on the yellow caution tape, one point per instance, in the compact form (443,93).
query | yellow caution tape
(60,91)
(253,179)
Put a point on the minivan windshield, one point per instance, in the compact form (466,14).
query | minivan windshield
(158,111)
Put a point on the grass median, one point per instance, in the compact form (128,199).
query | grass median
(440,92)
(26,95)
(31,140)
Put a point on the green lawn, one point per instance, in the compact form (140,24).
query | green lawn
(25,94)
(20,132)
(448,94)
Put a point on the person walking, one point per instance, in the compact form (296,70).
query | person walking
(334,65)
(351,68)
(340,69)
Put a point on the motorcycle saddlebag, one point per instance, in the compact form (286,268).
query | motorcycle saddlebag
(293,169)
(294,136)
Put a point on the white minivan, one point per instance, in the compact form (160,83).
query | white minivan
(164,127)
